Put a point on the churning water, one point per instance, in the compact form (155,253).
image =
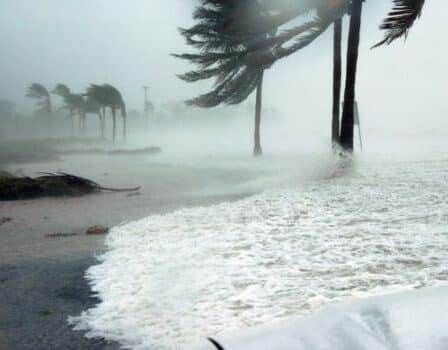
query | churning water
(168,280)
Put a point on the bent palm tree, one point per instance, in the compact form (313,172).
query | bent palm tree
(238,41)
(239,66)
(71,101)
(41,94)
(221,30)
(91,106)
(107,96)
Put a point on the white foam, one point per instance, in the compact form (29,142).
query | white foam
(404,321)
(169,280)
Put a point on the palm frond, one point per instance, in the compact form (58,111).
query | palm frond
(38,91)
(61,90)
(400,20)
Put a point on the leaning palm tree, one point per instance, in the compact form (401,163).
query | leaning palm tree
(41,94)
(222,28)
(71,102)
(92,106)
(107,96)
(238,41)
(239,68)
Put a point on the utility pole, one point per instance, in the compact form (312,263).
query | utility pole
(146,106)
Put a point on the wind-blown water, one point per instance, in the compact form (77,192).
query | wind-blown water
(171,279)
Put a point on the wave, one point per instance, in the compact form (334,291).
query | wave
(168,280)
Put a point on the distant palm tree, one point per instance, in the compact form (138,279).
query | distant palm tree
(71,102)
(41,94)
(91,106)
(225,27)
(107,96)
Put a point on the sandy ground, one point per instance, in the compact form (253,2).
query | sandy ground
(41,279)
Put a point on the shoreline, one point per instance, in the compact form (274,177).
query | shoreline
(42,279)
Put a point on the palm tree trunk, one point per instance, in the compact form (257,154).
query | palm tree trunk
(124,128)
(100,119)
(114,124)
(337,76)
(257,143)
(50,113)
(84,117)
(103,109)
(72,120)
(347,125)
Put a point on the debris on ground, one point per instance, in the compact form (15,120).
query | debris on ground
(139,151)
(51,185)
(4,220)
(146,150)
(97,230)
(60,234)
(133,194)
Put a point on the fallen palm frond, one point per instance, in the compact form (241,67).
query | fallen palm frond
(51,185)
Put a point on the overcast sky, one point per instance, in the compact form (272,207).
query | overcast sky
(127,43)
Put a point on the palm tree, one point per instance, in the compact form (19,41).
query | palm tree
(238,41)
(257,139)
(221,30)
(337,76)
(396,24)
(236,69)
(71,101)
(107,96)
(348,118)
(92,106)
(41,94)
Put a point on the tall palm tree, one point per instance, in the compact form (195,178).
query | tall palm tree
(107,96)
(257,138)
(396,24)
(348,113)
(41,94)
(238,41)
(221,29)
(236,70)
(337,76)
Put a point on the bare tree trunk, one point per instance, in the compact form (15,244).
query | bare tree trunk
(347,125)
(257,142)
(114,124)
(337,76)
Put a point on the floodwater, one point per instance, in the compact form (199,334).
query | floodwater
(301,243)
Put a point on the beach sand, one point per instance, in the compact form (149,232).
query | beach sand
(42,279)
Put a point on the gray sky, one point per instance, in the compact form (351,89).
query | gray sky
(127,43)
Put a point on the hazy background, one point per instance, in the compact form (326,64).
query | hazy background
(127,43)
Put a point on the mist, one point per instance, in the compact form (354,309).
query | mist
(129,45)
(195,234)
